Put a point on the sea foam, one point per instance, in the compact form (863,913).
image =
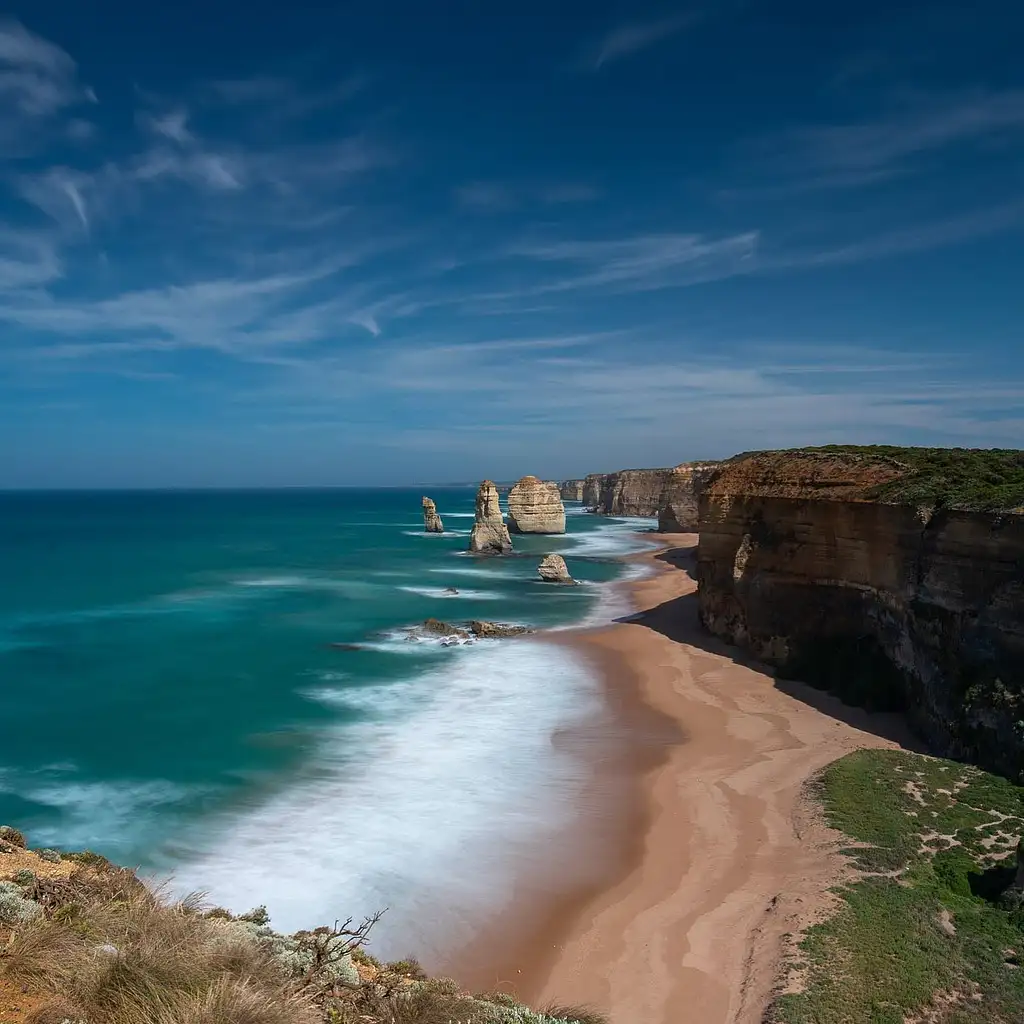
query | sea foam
(419,808)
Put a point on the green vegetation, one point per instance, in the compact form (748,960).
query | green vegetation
(989,479)
(928,931)
(96,946)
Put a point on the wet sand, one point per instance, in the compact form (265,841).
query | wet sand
(697,850)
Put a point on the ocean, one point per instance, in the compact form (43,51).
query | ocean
(170,696)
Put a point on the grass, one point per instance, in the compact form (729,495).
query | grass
(105,949)
(983,479)
(920,934)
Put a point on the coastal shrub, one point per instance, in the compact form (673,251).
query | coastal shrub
(51,856)
(25,877)
(14,907)
(9,834)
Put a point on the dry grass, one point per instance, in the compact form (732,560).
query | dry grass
(105,949)
(133,958)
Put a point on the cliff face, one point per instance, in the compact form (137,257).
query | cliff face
(891,606)
(490,534)
(679,508)
(534,506)
(571,490)
(592,489)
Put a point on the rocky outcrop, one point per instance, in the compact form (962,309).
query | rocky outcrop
(552,569)
(496,630)
(534,506)
(896,606)
(431,520)
(490,534)
(592,486)
(571,490)
(679,509)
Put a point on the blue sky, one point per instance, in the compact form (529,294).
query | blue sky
(403,242)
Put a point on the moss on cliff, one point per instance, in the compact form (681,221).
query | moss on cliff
(983,479)
(921,933)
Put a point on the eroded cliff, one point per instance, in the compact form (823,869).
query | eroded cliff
(850,570)
(571,490)
(673,491)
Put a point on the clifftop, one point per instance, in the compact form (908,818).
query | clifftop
(983,479)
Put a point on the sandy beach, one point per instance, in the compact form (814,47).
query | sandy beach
(717,855)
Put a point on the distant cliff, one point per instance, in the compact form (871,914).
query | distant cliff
(649,492)
(894,577)
(571,490)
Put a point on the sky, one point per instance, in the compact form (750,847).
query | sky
(392,243)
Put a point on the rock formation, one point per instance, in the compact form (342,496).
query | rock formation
(534,506)
(592,486)
(900,606)
(679,508)
(553,569)
(494,630)
(431,520)
(490,534)
(571,490)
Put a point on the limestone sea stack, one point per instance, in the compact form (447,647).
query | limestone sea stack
(431,520)
(553,569)
(490,534)
(535,506)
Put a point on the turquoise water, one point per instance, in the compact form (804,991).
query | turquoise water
(169,695)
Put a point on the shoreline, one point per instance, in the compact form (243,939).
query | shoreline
(707,853)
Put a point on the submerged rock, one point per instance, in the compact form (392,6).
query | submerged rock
(490,630)
(553,569)
(535,506)
(490,534)
(431,520)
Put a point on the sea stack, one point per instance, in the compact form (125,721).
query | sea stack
(553,569)
(535,506)
(490,534)
(431,520)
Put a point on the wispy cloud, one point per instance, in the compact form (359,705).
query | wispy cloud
(499,196)
(642,262)
(626,40)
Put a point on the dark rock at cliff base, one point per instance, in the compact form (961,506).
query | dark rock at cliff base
(488,630)
(431,520)
(490,534)
(552,569)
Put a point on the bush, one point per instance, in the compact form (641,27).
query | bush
(11,835)
(14,908)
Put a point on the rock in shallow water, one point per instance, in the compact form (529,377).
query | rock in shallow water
(431,520)
(553,569)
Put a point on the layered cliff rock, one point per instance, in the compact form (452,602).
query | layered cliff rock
(535,506)
(431,520)
(571,490)
(592,485)
(647,492)
(490,534)
(679,508)
(848,569)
